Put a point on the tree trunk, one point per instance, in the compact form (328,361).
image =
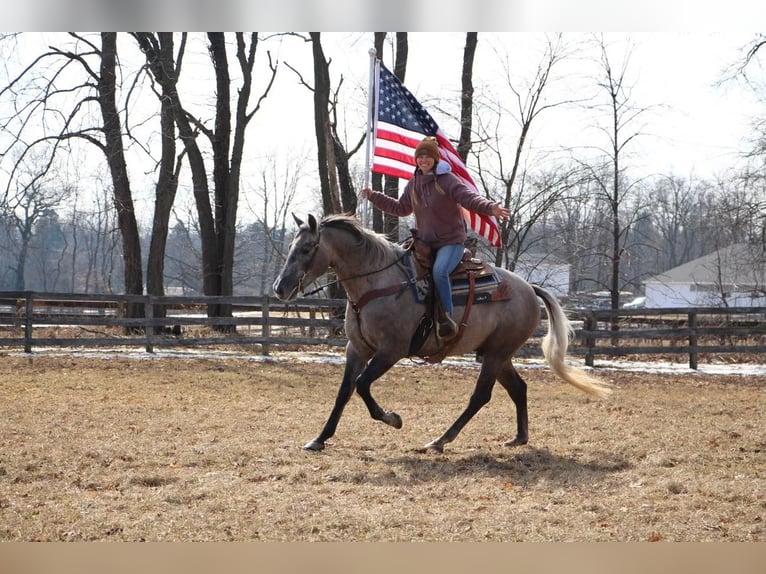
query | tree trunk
(325,152)
(228,197)
(330,199)
(167,179)
(225,224)
(466,97)
(25,233)
(167,77)
(115,157)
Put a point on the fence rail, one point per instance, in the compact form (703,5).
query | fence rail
(64,319)
(29,320)
(691,331)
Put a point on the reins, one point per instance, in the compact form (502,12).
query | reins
(359,276)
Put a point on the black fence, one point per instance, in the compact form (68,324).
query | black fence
(76,320)
(684,330)
(29,320)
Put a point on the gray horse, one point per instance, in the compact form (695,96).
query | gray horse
(384,311)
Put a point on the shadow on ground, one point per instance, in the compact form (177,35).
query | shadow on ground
(524,467)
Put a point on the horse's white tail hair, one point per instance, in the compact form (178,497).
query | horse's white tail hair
(555,345)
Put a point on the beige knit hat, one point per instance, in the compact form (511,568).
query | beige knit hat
(430,147)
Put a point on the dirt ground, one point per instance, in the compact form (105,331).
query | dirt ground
(193,449)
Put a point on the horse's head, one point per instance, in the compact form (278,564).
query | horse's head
(305,261)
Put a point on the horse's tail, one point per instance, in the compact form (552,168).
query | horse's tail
(555,345)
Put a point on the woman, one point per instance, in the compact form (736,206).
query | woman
(434,195)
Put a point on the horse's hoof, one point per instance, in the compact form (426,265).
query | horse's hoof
(518,441)
(314,446)
(392,419)
(434,446)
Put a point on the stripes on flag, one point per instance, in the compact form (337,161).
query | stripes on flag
(401,123)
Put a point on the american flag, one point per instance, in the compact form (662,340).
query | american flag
(400,126)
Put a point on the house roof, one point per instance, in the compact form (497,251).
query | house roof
(740,264)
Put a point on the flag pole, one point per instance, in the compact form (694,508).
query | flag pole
(371,96)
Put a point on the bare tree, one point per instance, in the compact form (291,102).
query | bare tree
(335,181)
(499,168)
(569,231)
(165,69)
(33,200)
(325,152)
(466,96)
(536,194)
(184,254)
(750,70)
(217,222)
(68,87)
(673,200)
(273,196)
(620,129)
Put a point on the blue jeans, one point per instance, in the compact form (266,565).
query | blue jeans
(447,258)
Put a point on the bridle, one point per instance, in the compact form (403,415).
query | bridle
(394,289)
(341,280)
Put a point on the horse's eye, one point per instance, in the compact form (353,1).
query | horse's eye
(308,248)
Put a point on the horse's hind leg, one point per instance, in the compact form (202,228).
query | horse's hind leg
(481,395)
(517,389)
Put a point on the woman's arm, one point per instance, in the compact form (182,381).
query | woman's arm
(399,207)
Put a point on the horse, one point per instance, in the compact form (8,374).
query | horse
(383,312)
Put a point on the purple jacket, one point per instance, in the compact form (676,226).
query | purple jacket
(438,217)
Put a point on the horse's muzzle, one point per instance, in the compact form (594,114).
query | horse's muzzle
(282,292)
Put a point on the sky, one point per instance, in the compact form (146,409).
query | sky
(695,128)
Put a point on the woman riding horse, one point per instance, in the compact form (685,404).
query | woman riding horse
(435,195)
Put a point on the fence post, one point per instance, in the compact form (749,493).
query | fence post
(265,326)
(693,349)
(590,324)
(149,323)
(29,309)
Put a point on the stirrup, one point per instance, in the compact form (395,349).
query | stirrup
(447,328)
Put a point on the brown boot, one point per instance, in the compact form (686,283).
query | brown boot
(447,328)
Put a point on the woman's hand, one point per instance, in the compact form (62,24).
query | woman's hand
(500,212)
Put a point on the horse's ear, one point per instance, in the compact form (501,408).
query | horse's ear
(298,221)
(312,223)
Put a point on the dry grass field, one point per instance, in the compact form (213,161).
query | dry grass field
(193,449)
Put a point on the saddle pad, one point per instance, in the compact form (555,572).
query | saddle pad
(481,284)
(498,291)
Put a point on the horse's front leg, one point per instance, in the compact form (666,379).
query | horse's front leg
(354,365)
(379,364)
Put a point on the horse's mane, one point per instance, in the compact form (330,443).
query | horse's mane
(377,247)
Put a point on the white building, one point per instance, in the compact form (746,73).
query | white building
(734,276)
(545,271)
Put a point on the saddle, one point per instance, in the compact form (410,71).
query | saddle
(473,281)
(469,269)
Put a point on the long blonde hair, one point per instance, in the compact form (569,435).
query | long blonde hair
(439,189)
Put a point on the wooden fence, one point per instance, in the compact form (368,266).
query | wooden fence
(75,320)
(29,320)
(683,330)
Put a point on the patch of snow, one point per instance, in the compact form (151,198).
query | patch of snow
(337,358)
